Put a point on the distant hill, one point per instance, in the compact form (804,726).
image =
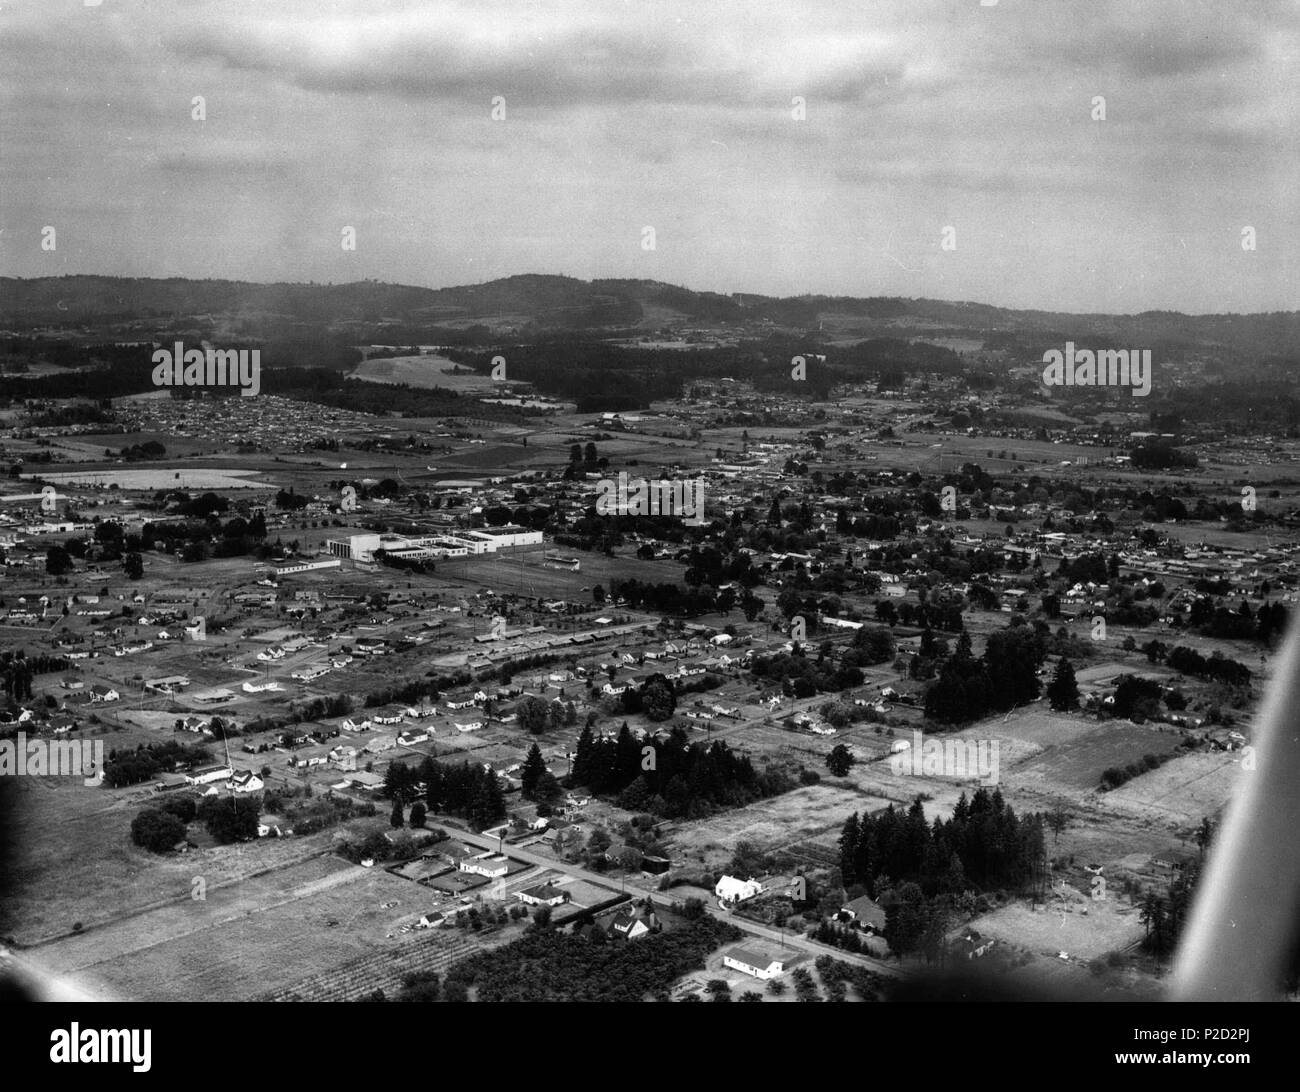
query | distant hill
(539,303)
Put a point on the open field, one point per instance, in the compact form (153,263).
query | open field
(1070,922)
(1110,670)
(106,876)
(784,820)
(425,371)
(1079,763)
(1045,759)
(524,572)
(91,447)
(155,478)
(244,939)
(1182,791)
(477,458)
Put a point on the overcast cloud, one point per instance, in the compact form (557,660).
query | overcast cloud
(676,116)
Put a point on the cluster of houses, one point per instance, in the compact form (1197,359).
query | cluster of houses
(217,778)
(269,421)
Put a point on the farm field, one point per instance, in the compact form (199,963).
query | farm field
(242,940)
(428,950)
(1097,674)
(524,571)
(1078,764)
(957,449)
(107,876)
(797,816)
(155,478)
(1070,922)
(1182,791)
(424,371)
(1045,759)
(476,459)
(1194,533)
(1040,727)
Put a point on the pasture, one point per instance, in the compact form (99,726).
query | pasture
(253,936)
(1070,922)
(424,371)
(151,479)
(1078,764)
(75,862)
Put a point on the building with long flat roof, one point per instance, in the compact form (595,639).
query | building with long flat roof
(445,544)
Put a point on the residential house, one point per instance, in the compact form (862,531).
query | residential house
(62,723)
(362,779)
(753,960)
(413,735)
(625,856)
(634,924)
(542,895)
(246,781)
(412,711)
(487,865)
(730,889)
(865,913)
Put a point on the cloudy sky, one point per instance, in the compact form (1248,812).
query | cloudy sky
(677,116)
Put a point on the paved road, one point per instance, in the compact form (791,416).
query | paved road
(639,888)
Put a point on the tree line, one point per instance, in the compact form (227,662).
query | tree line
(670,776)
(17,669)
(1216,666)
(983,846)
(467,790)
(1004,677)
(147,760)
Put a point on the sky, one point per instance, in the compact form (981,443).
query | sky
(779,148)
